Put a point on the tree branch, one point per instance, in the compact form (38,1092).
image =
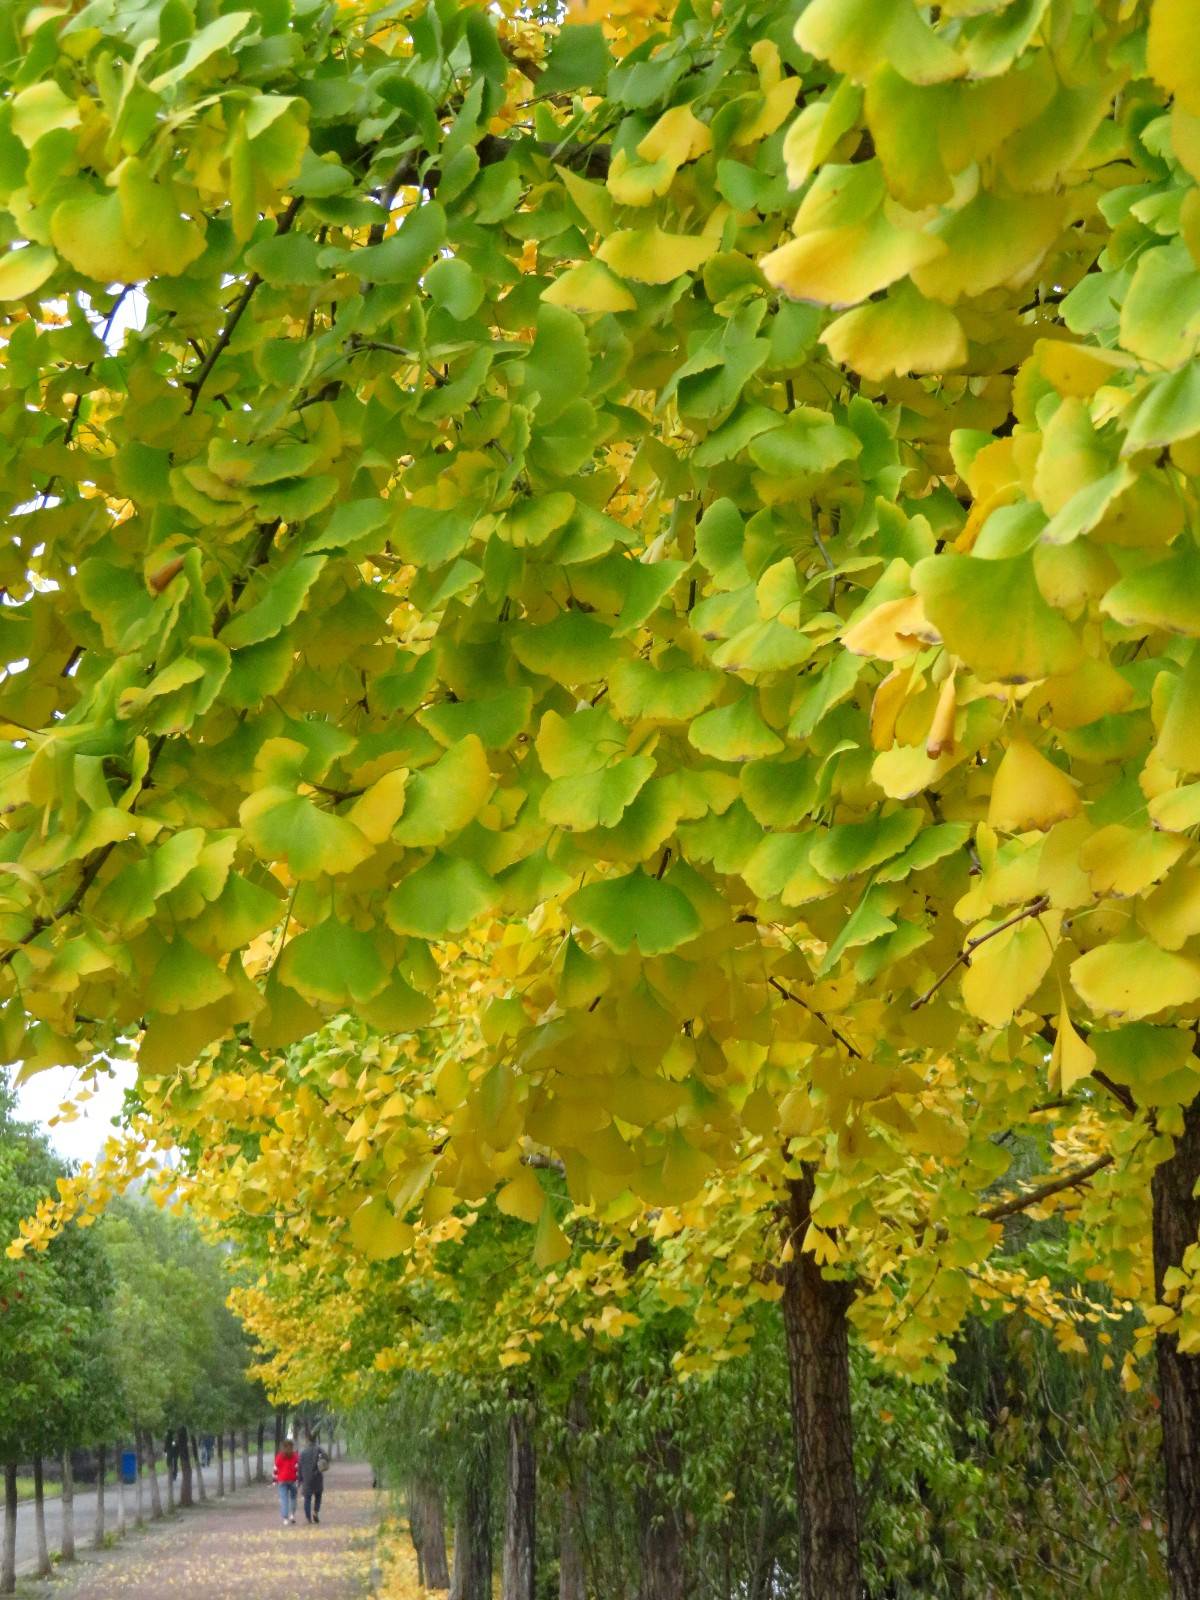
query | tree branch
(1034,1197)
(197,383)
(963,958)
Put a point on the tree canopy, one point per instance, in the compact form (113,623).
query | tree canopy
(614,594)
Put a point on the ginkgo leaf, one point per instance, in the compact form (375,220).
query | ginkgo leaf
(333,962)
(551,1245)
(901,333)
(590,286)
(1173,51)
(1072,1058)
(23,272)
(635,909)
(377,1232)
(1006,969)
(992,615)
(285,826)
(1164,594)
(858,36)
(847,246)
(441,898)
(1134,978)
(1029,791)
(650,255)
(522,1197)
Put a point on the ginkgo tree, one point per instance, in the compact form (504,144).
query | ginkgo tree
(725,478)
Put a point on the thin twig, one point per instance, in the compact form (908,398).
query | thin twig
(820,1016)
(197,383)
(963,958)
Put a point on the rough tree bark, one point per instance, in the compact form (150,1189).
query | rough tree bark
(8,1563)
(260,1475)
(151,1457)
(39,1518)
(572,1584)
(139,1488)
(232,1462)
(818,1350)
(520,1515)
(185,1467)
(1177,1226)
(101,1468)
(120,1490)
(68,1508)
(246,1456)
(473,1531)
(427,1524)
(220,1466)
(198,1467)
(661,1538)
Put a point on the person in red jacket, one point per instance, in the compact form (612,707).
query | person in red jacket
(287,1471)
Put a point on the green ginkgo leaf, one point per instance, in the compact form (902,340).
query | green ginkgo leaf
(635,910)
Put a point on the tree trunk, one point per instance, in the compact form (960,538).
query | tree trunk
(139,1488)
(427,1525)
(232,1462)
(246,1457)
(120,1490)
(473,1532)
(39,1518)
(8,1564)
(151,1453)
(571,1579)
(260,1475)
(198,1467)
(220,1466)
(278,1431)
(1176,1225)
(520,1515)
(661,1539)
(818,1349)
(185,1467)
(171,1480)
(101,1467)
(68,1508)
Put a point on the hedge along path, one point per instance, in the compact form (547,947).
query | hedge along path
(238,1548)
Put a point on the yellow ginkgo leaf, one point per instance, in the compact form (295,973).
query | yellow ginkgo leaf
(1173,50)
(1134,979)
(1029,792)
(589,287)
(1073,1058)
(378,1232)
(1006,970)
(551,1244)
(891,631)
(523,1197)
(901,333)
(650,255)
(847,246)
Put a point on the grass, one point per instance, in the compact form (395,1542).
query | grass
(54,1490)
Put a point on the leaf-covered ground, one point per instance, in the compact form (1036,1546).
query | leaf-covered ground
(398,1565)
(239,1550)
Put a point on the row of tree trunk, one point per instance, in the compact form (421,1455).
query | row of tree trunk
(192,1486)
(817,1334)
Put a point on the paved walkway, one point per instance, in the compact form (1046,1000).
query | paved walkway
(238,1549)
(85,1518)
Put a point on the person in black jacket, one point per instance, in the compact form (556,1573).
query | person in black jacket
(313,1462)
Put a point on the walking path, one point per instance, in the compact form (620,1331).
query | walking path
(85,1519)
(238,1549)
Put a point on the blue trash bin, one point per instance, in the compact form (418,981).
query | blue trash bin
(128,1466)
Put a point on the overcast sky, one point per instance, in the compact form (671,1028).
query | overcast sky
(40,1098)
